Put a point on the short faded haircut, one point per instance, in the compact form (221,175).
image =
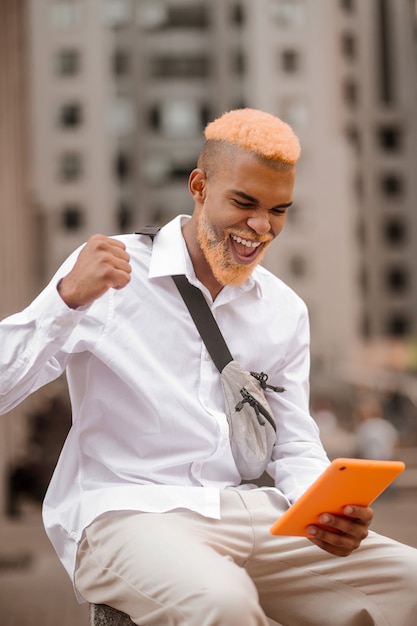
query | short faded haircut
(263,134)
(258,132)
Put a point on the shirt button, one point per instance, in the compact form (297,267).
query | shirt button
(207,356)
(223,442)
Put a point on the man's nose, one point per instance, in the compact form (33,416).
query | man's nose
(259,223)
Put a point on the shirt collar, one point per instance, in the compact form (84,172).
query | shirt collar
(170,256)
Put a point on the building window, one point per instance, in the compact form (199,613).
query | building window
(180,171)
(67,62)
(180,66)
(70,166)
(116,12)
(349,46)
(353,137)
(161,170)
(206,115)
(154,118)
(157,169)
(178,118)
(65,13)
(351,92)
(386,51)
(121,117)
(398,325)
(296,112)
(238,62)
(361,231)
(365,325)
(122,167)
(288,13)
(237,14)
(397,280)
(392,185)
(70,115)
(188,16)
(290,61)
(298,266)
(395,231)
(72,217)
(363,280)
(120,63)
(154,15)
(124,217)
(390,138)
(359,185)
(348,5)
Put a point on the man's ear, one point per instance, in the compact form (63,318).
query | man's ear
(197,184)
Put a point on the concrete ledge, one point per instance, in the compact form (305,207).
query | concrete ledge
(103,615)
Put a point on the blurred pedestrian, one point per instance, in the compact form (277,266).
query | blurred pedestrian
(336,439)
(376,437)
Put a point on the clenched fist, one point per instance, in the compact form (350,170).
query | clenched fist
(102,263)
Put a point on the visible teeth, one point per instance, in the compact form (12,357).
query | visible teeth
(246,242)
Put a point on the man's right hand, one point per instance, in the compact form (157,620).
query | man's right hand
(102,263)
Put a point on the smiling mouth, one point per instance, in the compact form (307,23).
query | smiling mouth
(244,250)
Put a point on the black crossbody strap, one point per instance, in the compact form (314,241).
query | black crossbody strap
(204,321)
(151,231)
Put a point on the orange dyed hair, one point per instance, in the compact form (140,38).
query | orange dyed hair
(256,131)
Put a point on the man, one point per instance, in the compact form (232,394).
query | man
(146,509)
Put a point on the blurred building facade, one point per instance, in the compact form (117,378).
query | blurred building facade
(123,88)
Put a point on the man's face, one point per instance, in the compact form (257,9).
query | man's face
(244,209)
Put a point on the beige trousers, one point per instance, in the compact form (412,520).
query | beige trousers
(181,569)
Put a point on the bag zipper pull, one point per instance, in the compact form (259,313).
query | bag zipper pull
(247,397)
(262,378)
(257,407)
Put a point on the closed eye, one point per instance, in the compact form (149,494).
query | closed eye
(243,205)
(279,211)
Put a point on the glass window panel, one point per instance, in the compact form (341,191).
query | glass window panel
(179,66)
(67,62)
(70,166)
(124,217)
(296,112)
(70,115)
(288,13)
(72,217)
(157,169)
(120,62)
(392,184)
(180,118)
(121,117)
(395,231)
(65,14)
(116,12)
(290,60)
(152,14)
(390,137)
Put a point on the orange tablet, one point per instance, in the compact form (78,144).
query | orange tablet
(345,481)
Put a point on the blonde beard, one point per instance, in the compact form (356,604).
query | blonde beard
(218,255)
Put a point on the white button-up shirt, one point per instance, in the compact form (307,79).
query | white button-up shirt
(149,428)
